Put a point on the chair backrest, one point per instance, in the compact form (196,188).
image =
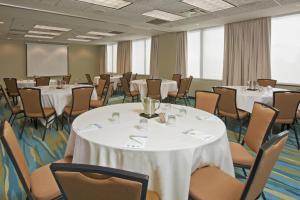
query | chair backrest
(109,93)
(11,85)
(261,122)
(81,97)
(153,86)
(125,86)
(67,78)
(107,78)
(262,167)
(134,77)
(177,77)
(89,79)
(207,101)
(31,100)
(78,181)
(127,75)
(2,91)
(11,146)
(100,87)
(266,82)
(190,83)
(183,87)
(287,103)
(227,102)
(42,81)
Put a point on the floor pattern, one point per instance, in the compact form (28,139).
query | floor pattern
(284,182)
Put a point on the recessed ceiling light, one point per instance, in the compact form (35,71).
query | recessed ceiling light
(44,33)
(51,28)
(163,15)
(88,37)
(78,40)
(1,22)
(209,5)
(38,36)
(116,4)
(100,33)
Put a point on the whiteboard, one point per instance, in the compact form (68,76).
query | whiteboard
(47,60)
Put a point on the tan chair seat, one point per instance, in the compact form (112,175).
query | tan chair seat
(242,114)
(284,121)
(48,112)
(172,93)
(96,103)
(152,196)
(240,155)
(204,185)
(13,94)
(67,110)
(17,109)
(135,93)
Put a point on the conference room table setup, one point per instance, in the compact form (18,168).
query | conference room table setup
(115,79)
(141,86)
(168,151)
(245,97)
(31,83)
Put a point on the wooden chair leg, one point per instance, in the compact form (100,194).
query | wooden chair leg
(240,131)
(25,119)
(45,130)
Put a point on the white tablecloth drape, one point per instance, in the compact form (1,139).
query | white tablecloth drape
(245,98)
(31,83)
(166,86)
(169,155)
(114,79)
(59,98)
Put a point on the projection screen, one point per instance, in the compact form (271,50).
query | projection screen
(47,60)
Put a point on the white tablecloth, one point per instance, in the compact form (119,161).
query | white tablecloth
(141,86)
(59,98)
(245,98)
(169,156)
(115,79)
(31,83)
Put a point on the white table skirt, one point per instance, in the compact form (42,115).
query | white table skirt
(59,98)
(245,99)
(141,86)
(169,156)
(115,79)
(31,83)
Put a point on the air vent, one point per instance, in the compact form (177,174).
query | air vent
(192,12)
(116,32)
(17,31)
(157,21)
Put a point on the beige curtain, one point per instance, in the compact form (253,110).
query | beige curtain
(102,59)
(154,57)
(247,51)
(124,57)
(181,53)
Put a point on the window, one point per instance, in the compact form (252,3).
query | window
(111,58)
(205,53)
(285,49)
(141,56)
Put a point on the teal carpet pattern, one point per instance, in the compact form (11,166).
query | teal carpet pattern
(284,182)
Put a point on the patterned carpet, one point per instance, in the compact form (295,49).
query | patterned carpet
(284,182)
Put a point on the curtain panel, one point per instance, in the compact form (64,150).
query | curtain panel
(247,51)
(181,53)
(124,57)
(102,59)
(154,57)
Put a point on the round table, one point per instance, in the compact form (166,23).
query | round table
(166,86)
(113,78)
(167,153)
(245,99)
(31,83)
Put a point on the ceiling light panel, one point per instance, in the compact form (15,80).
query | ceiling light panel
(53,28)
(38,36)
(78,40)
(44,33)
(1,22)
(158,14)
(100,33)
(116,4)
(88,37)
(209,5)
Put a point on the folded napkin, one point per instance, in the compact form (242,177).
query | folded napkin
(205,117)
(136,142)
(88,128)
(198,134)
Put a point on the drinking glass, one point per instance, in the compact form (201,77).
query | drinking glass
(171,120)
(115,116)
(144,124)
(182,112)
